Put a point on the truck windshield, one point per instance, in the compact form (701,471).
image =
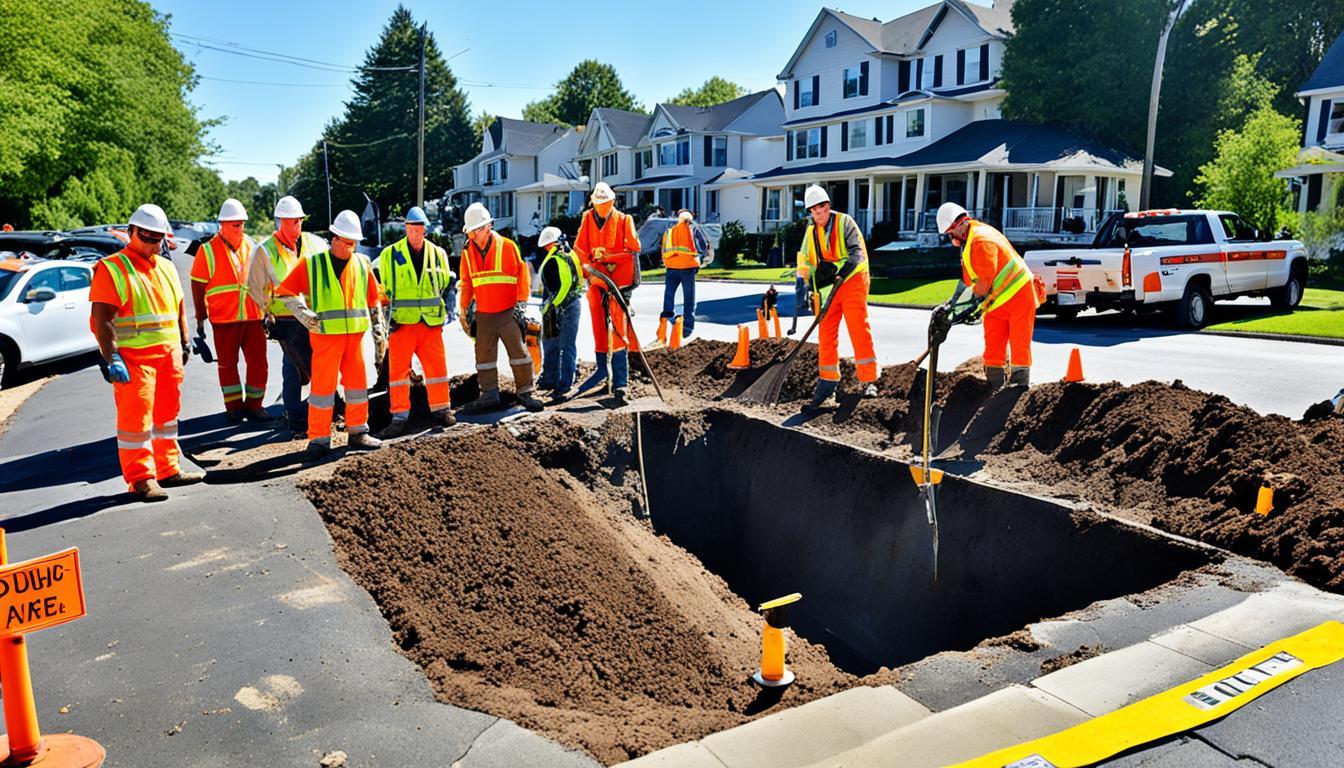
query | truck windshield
(1191,229)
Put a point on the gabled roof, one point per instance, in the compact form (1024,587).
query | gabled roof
(1330,72)
(902,34)
(716,118)
(996,20)
(626,128)
(519,137)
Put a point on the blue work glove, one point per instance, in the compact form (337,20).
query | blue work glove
(117,372)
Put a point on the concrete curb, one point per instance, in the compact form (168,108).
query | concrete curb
(1325,340)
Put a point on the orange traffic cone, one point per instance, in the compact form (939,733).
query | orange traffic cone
(743,358)
(761,326)
(1075,371)
(676,334)
(1264,501)
(662,330)
(774,314)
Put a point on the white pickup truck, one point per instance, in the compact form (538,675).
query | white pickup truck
(1177,260)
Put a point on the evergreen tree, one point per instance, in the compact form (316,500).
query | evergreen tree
(590,85)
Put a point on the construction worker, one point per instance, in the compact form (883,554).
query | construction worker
(684,244)
(219,293)
(607,241)
(342,303)
(836,254)
(288,246)
(139,320)
(496,279)
(562,283)
(1001,282)
(415,277)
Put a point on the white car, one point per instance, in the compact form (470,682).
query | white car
(44,312)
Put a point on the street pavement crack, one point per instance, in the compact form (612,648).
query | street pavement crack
(458,762)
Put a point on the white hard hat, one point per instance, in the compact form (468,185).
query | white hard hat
(150,218)
(288,207)
(685,215)
(475,217)
(815,195)
(948,213)
(347,225)
(548,235)
(232,210)
(602,192)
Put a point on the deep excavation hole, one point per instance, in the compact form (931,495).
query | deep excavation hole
(774,511)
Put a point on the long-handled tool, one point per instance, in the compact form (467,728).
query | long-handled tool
(766,389)
(614,293)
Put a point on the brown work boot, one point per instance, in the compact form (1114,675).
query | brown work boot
(443,418)
(149,490)
(182,478)
(363,441)
(530,402)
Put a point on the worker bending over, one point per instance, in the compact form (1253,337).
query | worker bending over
(607,241)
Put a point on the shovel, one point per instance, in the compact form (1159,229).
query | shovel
(615,293)
(766,389)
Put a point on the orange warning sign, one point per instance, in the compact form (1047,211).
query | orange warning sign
(41,593)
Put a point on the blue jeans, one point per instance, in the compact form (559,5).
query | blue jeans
(686,279)
(559,357)
(295,337)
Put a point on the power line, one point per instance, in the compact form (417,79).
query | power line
(370,143)
(264,82)
(225,46)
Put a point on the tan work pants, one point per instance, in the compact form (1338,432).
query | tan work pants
(492,328)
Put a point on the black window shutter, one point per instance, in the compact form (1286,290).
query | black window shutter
(938,71)
(1325,121)
(961,67)
(919,74)
(891,124)
(984,62)
(504,169)
(877,130)
(816,90)
(788,144)
(903,78)
(709,151)
(1314,191)
(863,79)
(844,136)
(795,94)
(825,129)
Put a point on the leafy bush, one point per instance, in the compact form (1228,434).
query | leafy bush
(884,232)
(732,243)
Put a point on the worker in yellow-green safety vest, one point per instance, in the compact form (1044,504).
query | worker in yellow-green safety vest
(560,313)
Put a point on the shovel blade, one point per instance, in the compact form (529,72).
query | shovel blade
(987,422)
(926,476)
(766,388)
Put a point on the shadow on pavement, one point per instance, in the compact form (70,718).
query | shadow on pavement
(65,512)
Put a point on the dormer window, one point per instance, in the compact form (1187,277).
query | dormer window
(807,97)
(1336,118)
(925,73)
(830,39)
(971,72)
(675,152)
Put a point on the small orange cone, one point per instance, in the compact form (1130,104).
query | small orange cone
(676,334)
(761,326)
(774,314)
(1075,371)
(662,330)
(1264,502)
(743,358)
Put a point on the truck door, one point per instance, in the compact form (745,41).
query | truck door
(1244,255)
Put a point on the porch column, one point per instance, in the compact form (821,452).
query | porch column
(900,215)
(981,194)
(1035,190)
(872,202)
(919,198)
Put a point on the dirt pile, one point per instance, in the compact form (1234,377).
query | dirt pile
(522,593)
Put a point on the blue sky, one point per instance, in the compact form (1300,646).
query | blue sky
(523,49)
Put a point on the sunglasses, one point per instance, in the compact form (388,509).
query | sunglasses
(153,238)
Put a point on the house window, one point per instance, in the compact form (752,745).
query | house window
(609,165)
(643,162)
(914,123)
(926,73)
(505,206)
(557,205)
(675,152)
(772,205)
(1337,117)
(852,78)
(718,152)
(712,205)
(830,39)
(858,134)
(806,96)
(807,143)
(971,72)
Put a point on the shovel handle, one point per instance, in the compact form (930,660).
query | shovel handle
(921,357)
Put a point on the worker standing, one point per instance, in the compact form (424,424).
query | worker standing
(284,249)
(342,303)
(219,293)
(836,254)
(495,278)
(607,241)
(139,319)
(684,245)
(415,277)
(562,283)
(1001,282)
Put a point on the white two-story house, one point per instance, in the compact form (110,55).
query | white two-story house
(607,150)
(686,150)
(894,118)
(519,165)
(1320,164)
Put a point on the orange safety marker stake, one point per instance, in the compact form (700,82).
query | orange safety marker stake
(774,314)
(1075,370)
(1264,501)
(743,357)
(662,330)
(773,673)
(37,594)
(676,334)
(761,326)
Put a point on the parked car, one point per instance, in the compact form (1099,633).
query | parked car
(90,246)
(1175,260)
(44,312)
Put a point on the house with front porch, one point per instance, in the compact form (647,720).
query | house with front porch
(894,118)
(607,151)
(520,166)
(1319,171)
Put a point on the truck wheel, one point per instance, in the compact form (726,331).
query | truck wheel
(1192,311)
(1290,295)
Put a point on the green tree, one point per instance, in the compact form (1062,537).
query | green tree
(590,85)
(1320,230)
(1241,178)
(259,200)
(715,90)
(479,125)
(94,117)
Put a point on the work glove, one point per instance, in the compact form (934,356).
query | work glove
(268,325)
(116,371)
(599,254)
(200,326)
(520,313)
(844,272)
(939,324)
(186,353)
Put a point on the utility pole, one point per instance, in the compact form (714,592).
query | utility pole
(1146,193)
(420,152)
(326,164)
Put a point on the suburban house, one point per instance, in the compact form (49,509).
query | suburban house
(896,118)
(524,172)
(607,150)
(1320,164)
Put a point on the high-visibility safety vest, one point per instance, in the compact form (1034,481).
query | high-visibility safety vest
(1012,276)
(494,276)
(283,260)
(226,298)
(617,235)
(341,304)
(679,247)
(568,268)
(415,298)
(150,319)
(833,248)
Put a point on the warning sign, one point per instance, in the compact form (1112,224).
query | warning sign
(41,593)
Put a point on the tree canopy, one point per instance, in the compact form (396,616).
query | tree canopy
(715,90)
(1240,177)
(590,85)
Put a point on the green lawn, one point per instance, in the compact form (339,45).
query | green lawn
(1320,314)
